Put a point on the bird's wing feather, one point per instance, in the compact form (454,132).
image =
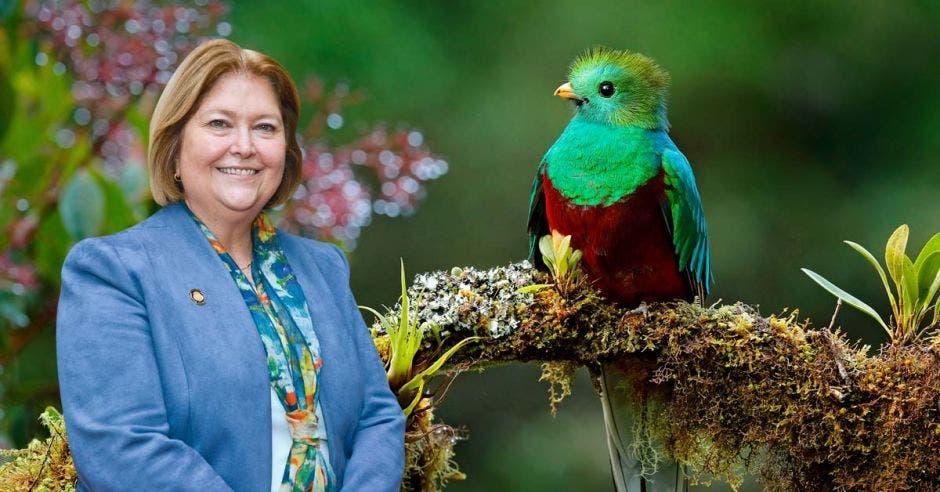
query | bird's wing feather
(538,221)
(689,231)
(665,209)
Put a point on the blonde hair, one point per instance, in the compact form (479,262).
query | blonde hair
(182,95)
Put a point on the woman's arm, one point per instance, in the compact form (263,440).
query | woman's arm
(111,391)
(378,450)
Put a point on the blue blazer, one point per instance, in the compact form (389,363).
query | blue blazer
(160,393)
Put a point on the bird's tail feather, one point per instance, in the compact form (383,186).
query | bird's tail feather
(613,444)
(621,420)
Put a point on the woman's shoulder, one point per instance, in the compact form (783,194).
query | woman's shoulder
(307,243)
(112,248)
(326,255)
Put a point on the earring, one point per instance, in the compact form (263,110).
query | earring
(177,178)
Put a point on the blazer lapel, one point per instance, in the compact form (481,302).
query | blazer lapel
(338,380)
(191,269)
(219,343)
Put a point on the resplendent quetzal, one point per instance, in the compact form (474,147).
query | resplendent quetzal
(616,183)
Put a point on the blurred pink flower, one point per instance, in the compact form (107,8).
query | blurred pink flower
(380,172)
(119,49)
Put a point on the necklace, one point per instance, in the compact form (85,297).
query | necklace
(246,266)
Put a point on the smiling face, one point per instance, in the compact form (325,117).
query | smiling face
(233,149)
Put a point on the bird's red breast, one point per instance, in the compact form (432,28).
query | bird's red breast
(627,248)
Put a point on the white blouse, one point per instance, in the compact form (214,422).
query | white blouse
(281,441)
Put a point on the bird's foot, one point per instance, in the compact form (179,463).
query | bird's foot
(639,310)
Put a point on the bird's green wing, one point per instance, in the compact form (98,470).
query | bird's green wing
(689,231)
(538,221)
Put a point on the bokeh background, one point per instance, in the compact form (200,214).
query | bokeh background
(807,123)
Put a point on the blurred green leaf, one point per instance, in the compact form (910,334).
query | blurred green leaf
(82,206)
(135,186)
(932,246)
(17,423)
(5,48)
(6,102)
(30,381)
(562,250)
(931,292)
(139,122)
(574,259)
(533,288)
(910,288)
(12,311)
(547,249)
(881,273)
(118,213)
(845,296)
(927,273)
(52,244)
(925,264)
(936,313)
(6,8)
(44,103)
(894,257)
(134,183)
(33,372)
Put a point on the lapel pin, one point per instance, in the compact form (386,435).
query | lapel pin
(197,296)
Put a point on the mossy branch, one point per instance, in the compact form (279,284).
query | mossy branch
(802,408)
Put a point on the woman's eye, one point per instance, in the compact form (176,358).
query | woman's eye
(218,124)
(266,127)
(606,88)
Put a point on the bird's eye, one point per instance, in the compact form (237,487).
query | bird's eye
(606,88)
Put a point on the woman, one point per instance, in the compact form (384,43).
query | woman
(203,350)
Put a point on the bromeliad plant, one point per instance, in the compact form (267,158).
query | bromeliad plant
(407,376)
(561,259)
(915,286)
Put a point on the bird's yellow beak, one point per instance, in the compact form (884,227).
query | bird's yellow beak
(566,91)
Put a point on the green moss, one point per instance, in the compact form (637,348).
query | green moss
(44,464)
(429,452)
(559,375)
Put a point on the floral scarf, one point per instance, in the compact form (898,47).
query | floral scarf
(279,310)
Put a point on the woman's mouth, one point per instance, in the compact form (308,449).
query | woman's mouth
(237,171)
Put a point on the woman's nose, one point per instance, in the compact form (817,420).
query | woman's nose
(243,146)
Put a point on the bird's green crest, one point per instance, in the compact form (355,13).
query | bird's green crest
(639,88)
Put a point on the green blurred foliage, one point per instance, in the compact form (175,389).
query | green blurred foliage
(54,190)
(806,123)
(52,194)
